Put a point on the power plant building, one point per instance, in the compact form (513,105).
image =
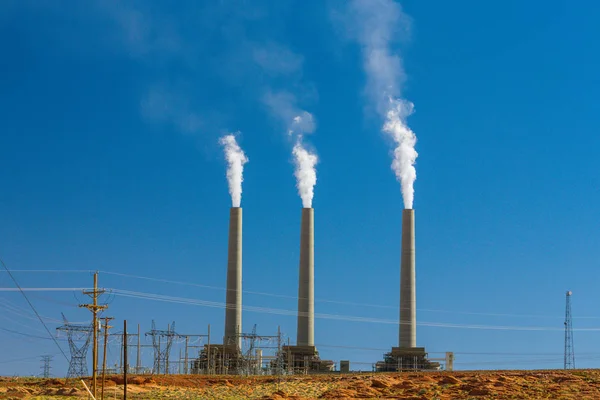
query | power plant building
(227,357)
(407,356)
(304,357)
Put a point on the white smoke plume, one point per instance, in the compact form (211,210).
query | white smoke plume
(404,153)
(304,160)
(374,23)
(235,167)
(306,174)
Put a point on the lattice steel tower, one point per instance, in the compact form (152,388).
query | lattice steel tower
(569,353)
(46,360)
(162,350)
(77,333)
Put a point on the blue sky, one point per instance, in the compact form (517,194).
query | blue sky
(111,114)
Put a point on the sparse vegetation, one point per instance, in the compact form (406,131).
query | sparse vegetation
(422,386)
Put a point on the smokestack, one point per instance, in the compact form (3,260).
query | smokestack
(408,298)
(233,311)
(306,281)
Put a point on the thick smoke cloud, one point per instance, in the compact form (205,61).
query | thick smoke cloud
(235,167)
(373,23)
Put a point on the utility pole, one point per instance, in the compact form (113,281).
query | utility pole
(106,328)
(125,360)
(569,353)
(94,308)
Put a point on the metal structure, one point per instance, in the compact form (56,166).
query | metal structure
(569,352)
(257,355)
(195,345)
(122,342)
(161,354)
(233,298)
(77,333)
(278,365)
(46,360)
(306,281)
(253,357)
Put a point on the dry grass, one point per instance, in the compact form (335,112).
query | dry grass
(579,384)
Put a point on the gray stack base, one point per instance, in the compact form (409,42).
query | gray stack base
(406,359)
(303,360)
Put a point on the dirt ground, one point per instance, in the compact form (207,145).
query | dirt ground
(574,384)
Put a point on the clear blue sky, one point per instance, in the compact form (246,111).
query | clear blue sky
(111,115)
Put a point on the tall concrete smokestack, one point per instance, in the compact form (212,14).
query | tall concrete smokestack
(408,298)
(233,311)
(306,281)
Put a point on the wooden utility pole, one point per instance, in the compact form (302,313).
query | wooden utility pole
(94,308)
(125,360)
(106,328)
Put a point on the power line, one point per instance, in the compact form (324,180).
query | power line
(60,271)
(464,353)
(33,308)
(180,300)
(47,289)
(214,304)
(333,301)
(24,334)
(14,321)
(491,314)
(14,360)
(14,309)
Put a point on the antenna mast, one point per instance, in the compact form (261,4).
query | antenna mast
(569,354)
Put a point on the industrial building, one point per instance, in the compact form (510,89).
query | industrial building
(303,357)
(407,356)
(226,357)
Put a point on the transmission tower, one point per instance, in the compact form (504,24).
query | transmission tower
(161,354)
(569,352)
(77,333)
(46,366)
